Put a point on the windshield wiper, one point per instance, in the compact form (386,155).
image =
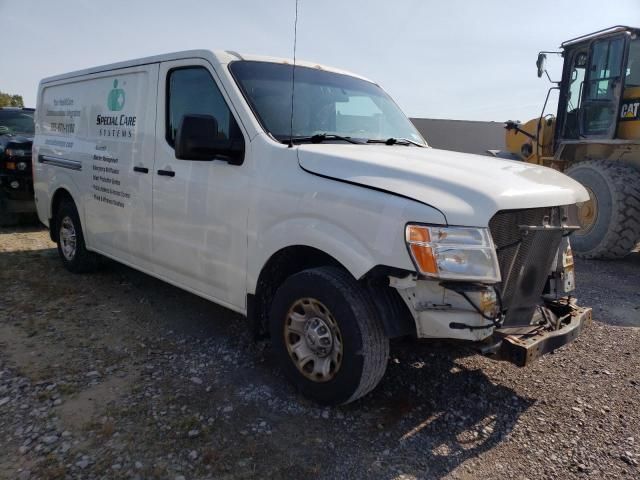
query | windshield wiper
(321,137)
(395,141)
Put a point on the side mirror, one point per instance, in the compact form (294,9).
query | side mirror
(541,63)
(197,139)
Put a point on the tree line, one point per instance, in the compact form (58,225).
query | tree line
(8,100)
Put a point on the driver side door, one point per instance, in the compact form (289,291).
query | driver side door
(199,207)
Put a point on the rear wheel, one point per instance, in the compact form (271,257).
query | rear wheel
(610,220)
(327,335)
(71,247)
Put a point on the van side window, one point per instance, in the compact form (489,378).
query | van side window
(192,90)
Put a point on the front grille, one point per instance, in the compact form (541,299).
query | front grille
(525,258)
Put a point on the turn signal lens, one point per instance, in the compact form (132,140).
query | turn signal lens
(423,256)
(10,165)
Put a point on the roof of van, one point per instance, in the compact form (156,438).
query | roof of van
(221,57)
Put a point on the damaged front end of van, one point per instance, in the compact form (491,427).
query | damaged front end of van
(520,304)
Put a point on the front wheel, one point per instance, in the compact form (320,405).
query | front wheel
(327,336)
(7,219)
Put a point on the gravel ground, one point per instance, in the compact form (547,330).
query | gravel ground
(118,375)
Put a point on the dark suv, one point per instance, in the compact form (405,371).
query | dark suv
(16,177)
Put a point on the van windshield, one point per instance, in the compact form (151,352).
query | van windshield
(325,103)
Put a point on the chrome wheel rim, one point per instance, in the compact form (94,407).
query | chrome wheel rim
(313,340)
(67,238)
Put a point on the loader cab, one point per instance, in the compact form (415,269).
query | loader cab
(601,75)
(595,137)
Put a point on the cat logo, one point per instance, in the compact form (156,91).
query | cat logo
(629,109)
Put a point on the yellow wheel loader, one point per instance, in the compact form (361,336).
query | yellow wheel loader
(594,137)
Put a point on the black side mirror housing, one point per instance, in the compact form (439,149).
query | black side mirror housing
(541,63)
(197,139)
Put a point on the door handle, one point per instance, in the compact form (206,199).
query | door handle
(141,169)
(167,173)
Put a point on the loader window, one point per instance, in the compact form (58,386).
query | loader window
(574,94)
(633,65)
(602,90)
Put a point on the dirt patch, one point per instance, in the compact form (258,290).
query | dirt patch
(79,410)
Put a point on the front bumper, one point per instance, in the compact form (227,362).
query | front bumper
(522,346)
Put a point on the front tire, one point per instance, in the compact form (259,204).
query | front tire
(327,336)
(70,239)
(610,220)
(7,219)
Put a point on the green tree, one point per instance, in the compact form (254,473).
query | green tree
(8,100)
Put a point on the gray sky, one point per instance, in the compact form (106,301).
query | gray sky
(471,60)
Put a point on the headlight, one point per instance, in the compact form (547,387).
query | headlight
(453,253)
(21,166)
(17,152)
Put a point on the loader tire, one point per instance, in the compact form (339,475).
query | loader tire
(611,218)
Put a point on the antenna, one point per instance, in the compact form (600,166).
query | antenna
(293,73)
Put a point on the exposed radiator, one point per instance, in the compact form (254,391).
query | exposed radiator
(525,257)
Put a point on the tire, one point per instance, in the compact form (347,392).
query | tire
(8,219)
(614,224)
(70,239)
(343,307)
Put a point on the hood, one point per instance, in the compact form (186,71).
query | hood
(467,189)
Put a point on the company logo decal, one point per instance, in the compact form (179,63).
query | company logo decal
(630,109)
(115,101)
(122,125)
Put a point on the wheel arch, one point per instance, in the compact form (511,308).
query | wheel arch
(61,194)
(287,261)
(281,265)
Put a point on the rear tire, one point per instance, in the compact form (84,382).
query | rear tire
(327,336)
(70,239)
(611,220)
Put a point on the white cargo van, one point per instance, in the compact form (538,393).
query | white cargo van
(332,229)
